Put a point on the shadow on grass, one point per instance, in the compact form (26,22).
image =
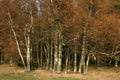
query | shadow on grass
(30,77)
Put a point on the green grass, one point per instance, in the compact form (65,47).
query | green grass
(17,77)
(30,77)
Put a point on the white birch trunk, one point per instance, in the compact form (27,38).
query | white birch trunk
(55,52)
(75,57)
(66,64)
(59,59)
(82,61)
(28,53)
(67,60)
(87,63)
(29,29)
(18,46)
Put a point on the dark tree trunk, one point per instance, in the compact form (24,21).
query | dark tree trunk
(51,56)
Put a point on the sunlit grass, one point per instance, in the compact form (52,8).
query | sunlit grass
(63,78)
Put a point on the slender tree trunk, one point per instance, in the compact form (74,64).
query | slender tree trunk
(47,64)
(51,60)
(75,58)
(82,60)
(59,59)
(32,61)
(55,53)
(28,53)
(55,57)
(59,52)
(58,43)
(45,59)
(116,60)
(41,56)
(82,65)
(38,55)
(116,63)
(66,62)
(29,29)
(18,46)
(48,57)
(87,62)
(1,57)
(75,62)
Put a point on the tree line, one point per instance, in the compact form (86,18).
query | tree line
(60,35)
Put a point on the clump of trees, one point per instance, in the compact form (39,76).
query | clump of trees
(60,35)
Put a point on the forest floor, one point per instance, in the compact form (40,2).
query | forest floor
(94,73)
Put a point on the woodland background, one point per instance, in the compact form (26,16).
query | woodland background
(60,35)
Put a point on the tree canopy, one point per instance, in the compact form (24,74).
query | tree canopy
(60,35)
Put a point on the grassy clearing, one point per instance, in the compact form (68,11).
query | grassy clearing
(63,78)
(29,77)
(95,73)
(17,77)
